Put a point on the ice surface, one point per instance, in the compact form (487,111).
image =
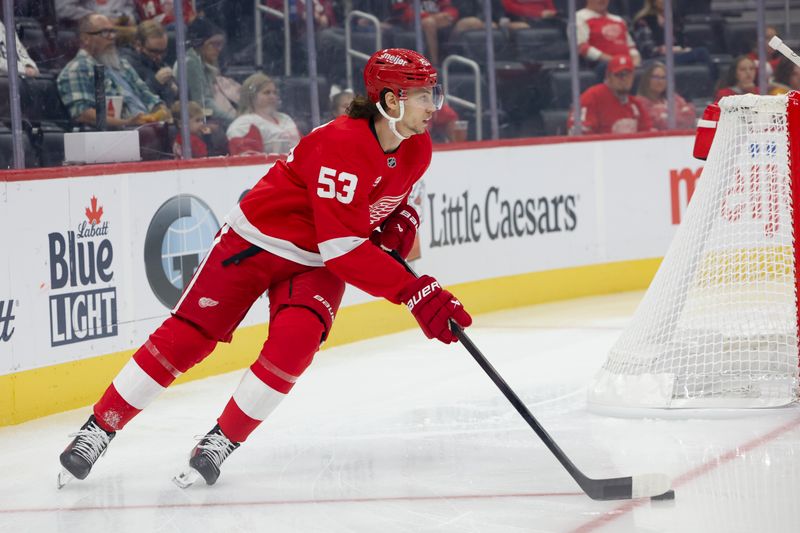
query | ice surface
(402,434)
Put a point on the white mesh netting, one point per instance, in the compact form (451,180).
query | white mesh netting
(718,325)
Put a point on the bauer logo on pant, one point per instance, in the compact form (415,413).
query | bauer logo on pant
(83,305)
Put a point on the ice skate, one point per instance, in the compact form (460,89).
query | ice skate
(206,458)
(89,444)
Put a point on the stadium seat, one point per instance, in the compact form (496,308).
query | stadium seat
(44,102)
(404,39)
(562,86)
(693,81)
(296,95)
(541,44)
(740,37)
(50,145)
(555,121)
(32,35)
(472,44)
(7,149)
(702,34)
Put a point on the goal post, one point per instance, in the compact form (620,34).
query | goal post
(718,326)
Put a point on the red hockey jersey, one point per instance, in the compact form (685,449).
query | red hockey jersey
(603,112)
(320,206)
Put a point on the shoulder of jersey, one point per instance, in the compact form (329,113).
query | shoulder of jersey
(342,130)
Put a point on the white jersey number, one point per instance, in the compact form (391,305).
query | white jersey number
(328,179)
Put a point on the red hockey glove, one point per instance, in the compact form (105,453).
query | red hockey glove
(433,307)
(398,231)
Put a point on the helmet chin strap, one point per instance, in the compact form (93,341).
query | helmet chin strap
(393,121)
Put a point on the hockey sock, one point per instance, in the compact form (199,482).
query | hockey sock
(171,350)
(294,337)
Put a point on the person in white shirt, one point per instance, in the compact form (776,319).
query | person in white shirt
(25,65)
(260,127)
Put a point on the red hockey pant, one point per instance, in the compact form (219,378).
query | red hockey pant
(303,304)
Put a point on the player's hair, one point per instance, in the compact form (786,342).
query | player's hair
(363,107)
(147,29)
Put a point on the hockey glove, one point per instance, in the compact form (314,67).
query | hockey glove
(433,307)
(398,231)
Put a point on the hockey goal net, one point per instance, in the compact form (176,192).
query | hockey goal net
(718,326)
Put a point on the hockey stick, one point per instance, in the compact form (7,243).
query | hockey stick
(655,486)
(777,44)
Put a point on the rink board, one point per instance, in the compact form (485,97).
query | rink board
(98,255)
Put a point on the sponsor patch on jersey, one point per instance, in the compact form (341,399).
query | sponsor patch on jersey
(207,302)
(392,162)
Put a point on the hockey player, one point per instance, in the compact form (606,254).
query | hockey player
(320,219)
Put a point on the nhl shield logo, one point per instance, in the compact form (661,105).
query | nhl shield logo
(392,162)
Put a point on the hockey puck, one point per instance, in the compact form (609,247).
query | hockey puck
(669,495)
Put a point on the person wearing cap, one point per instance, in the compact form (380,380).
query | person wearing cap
(609,107)
(324,217)
(76,80)
(218,95)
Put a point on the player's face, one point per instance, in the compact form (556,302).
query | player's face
(419,109)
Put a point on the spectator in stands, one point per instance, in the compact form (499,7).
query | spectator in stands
(340,102)
(147,58)
(207,86)
(436,15)
(653,96)
(609,107)
(530,10)
(739,79)
(162,11)
(76,80)
(785,78)
(260,127)
(602,35)
(322,9)
(648,32)
(197,130)
(773,56)
(121,14)
(471,12)
(444,126)
(25,65)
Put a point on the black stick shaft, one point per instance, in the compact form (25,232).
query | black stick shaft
(585,483)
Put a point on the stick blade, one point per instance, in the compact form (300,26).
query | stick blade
(650,485)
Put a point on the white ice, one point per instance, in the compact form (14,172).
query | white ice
(402,434)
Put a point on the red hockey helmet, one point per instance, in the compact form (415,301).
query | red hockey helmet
(399,69)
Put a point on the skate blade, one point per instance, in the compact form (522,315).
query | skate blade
(64,477)
(186,478)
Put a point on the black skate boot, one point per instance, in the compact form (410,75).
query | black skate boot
(206,458)
(89,444)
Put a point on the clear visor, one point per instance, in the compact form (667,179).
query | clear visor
(426,99)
